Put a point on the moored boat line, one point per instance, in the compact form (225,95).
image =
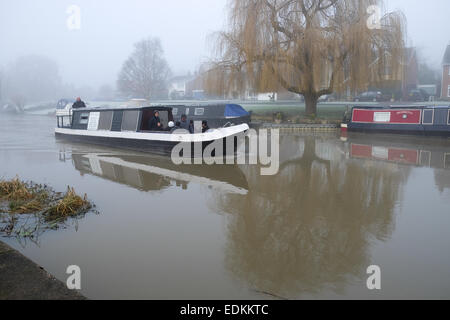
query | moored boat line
(411,120)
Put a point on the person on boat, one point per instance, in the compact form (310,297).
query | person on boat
(155,122)
(184,123)
(204,126)
(191,126)
(172,126)
(78,104)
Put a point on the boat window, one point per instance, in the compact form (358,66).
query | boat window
(84,118)
(187,111)
(199,111)
(105,120)
(130,121)
(175,111)
(145,119)
(94,118)
(64,121)
(428,116)
(164,117)
(147,115)
(382,117)
(440,117)
(447,161)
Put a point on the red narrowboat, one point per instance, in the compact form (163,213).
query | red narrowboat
(416,120)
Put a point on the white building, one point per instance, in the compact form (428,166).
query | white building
(177,87)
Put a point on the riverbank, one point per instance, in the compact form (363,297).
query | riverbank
(295,127)
(22,279)
(295,112)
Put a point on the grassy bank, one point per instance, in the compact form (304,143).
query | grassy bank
(295,112)
(27,208)
(330,112)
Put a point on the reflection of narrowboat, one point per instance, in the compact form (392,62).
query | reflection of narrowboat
(415,120)
(413,151)
(153,174)
(129,127)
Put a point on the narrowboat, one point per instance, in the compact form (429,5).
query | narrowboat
(409,120)
(129,127)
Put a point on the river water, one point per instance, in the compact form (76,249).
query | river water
(336,207)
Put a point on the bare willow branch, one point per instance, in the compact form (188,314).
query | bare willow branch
(309,47)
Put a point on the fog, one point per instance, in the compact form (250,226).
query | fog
(94,54)
(428,26)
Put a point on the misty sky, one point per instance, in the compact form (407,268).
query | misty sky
(94,54)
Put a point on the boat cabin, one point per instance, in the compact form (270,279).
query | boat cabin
(421,120)
(130,127)
(138,119)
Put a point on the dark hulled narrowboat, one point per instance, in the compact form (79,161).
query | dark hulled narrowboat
(410,120)
(129,127)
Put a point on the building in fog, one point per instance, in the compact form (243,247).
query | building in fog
(446,75)
(178,87)
(410,71)
(396,82)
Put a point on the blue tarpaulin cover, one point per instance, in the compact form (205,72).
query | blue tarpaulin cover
(235,110)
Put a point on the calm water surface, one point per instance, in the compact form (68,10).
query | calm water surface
(336,207)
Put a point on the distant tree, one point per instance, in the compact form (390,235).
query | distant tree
(308,47)
(69,91)
(428,75)
(106,92)
(146,73)
(85,92)
(32,78)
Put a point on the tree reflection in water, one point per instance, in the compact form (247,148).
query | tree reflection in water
(309,227)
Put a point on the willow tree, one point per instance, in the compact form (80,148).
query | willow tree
(308,47)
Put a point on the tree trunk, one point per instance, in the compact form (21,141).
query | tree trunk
(311,104)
